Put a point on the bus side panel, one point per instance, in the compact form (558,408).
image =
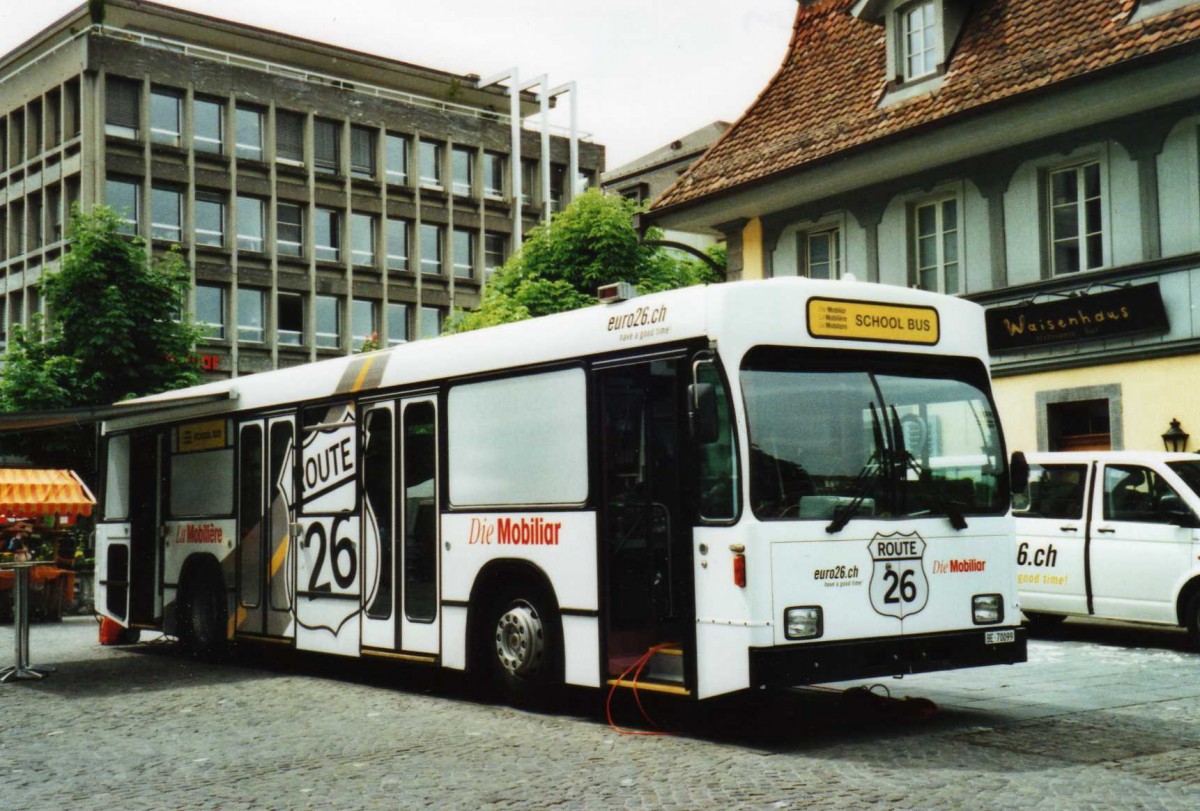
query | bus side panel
(560,544)
(726,626)
(112,571)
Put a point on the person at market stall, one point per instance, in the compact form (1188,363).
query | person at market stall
(18,544)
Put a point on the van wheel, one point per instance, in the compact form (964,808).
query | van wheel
(202,622)
(1191,617)
(524,646)
(1038,621)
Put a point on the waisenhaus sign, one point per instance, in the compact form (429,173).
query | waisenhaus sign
(1087,317)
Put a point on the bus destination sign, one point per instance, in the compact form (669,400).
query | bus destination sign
(870,321)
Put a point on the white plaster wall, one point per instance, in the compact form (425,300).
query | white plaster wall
(976,248)
(893,242)
(1125,212)
(1179,189)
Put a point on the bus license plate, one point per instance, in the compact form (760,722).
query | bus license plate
(999,637)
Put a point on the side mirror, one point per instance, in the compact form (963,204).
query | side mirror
(702,413)
(1018,474)
(1172,510)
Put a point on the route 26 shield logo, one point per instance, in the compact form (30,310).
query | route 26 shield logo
(899,587)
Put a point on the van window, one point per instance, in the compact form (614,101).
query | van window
(1188,471)
(1055,491)
(1134,493)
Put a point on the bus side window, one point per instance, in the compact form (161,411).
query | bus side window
(718,468)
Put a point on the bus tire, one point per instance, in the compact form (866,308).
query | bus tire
(1037,621)
(1191,616)
(203,620)
(523,636)
(129,636)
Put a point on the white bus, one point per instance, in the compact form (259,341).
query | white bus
(767,483)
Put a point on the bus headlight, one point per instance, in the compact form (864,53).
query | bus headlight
(803,622)
(987,609)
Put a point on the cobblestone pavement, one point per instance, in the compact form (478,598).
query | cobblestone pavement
(1101,717)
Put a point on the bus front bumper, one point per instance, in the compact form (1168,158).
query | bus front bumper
(821,662)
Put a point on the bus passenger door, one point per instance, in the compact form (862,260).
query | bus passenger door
(380,555)
(146,491)
(646,555)
(419,525)
(328,558)
(266,504)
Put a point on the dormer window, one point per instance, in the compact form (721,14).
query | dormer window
(918,39)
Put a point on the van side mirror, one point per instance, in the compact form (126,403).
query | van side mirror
(702,413)
(1172,510)
(1018,474)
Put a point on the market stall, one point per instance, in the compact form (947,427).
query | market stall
(38,511)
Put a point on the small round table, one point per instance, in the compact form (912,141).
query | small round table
(21,669)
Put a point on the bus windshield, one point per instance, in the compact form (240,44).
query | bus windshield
(868,434)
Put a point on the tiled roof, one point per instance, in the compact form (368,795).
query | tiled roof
(825,97)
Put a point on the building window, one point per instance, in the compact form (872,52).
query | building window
(252,315)
(584,181)
(397,244)
(35,222)
(289,229)
(1076,229)
(397,323)
(121,107)
(431,248)
(210,219)
(249,133)
(164,117)
(821,253)
(329,322)
(918,39)
(493,175)
(251,224)
(166,214)
(464,253)
(529,181)
(431,164)
(431,322)
(290,307)
(362,239)
(327,146)
(461,171)
(208,126)
(493,253)
(935,244)
(558,174)
(289,137)
(55,213)
(1082,425)
(363,322)
(327,235)
(362,152)
(210,310)
(397,159)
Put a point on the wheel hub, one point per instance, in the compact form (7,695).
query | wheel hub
(520,641)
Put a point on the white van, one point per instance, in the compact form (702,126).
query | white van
(1111,534)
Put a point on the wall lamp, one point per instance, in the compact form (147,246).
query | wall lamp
(1175,439)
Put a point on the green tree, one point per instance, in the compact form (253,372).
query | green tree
(590,244)
(115,330)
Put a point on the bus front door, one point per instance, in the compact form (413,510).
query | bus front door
(266,480)
(645,557)
(328,560)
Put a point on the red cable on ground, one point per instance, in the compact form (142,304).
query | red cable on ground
(636,668)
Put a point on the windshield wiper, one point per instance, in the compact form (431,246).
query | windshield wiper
(908,462)
(877,462)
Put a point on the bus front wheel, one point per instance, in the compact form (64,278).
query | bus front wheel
(524,645)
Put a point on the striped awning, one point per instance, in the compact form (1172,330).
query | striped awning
(28,493)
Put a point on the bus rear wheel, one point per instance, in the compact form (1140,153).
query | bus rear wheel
(202,623)
(523,646)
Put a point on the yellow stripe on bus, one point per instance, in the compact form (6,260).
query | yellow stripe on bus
(362,375)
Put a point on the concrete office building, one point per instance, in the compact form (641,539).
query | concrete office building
(320,195)
(1040,158)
